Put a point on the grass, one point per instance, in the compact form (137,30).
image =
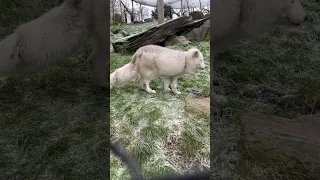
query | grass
(285,59)
(156,129)
(53,124)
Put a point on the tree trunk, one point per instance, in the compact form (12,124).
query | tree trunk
(132,12)
(125,18)
(160,6)
(141,13)
(181,9)
(121,12)
(188,7)
(113,4)
(125,14)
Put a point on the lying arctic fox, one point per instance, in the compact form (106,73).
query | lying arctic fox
(151,61)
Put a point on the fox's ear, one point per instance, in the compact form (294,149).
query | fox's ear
(196,54)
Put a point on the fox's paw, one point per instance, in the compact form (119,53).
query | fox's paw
(176,92)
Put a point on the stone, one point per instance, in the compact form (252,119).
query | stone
(196,15)
(198,34)
(172,40)
(201,105)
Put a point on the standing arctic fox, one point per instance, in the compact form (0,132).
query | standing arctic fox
(151,61)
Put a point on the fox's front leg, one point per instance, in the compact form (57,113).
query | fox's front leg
(166,83)
(174,86)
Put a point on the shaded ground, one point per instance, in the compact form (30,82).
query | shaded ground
(156,128)
(276,74)
(53,124)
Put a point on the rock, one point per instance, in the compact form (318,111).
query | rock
(198,34)
(201,105)
(115,30)
(125,33)
(196,15)
(172,40)
(148,20)
(167,19)
(297,138)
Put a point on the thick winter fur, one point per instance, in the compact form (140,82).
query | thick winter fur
(40,43)
(151,61)
(234,20)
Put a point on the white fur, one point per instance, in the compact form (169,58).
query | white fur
(151,61)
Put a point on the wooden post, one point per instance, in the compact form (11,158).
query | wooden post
(181,9)
(132,13)
(121,12)
(160,6)
(141,13)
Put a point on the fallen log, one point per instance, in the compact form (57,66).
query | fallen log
(157,34)
(289,139)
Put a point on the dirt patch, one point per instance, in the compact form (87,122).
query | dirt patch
(201,105)
(174,149)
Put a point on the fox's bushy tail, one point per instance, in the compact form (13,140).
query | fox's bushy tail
(126,72)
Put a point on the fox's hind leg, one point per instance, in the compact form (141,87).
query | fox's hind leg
(147,74)
(141,82)
(147,87)
(144,83)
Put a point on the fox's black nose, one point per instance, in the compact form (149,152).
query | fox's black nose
(305,18)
